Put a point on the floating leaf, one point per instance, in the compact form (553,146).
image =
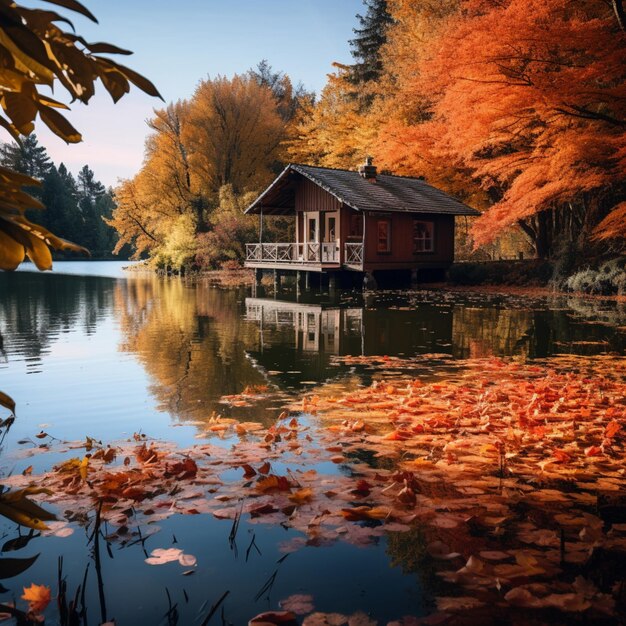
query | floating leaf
(18,508)
(5,400)
(38,597)
(14,567)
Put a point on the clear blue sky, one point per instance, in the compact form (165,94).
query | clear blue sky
(176,44)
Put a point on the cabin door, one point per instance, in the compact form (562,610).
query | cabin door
(330,232)
(312,231)
(330,249)
(311,247)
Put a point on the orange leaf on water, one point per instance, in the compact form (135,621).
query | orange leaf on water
(248,470)
(612,428)
(273,483)
(593,451)
(302,495)
(398,435)
(361,513)
(286,618)
(561,456)
(182,469)
(146,454)
(37,596)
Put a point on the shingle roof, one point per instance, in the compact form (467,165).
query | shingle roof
(389,193)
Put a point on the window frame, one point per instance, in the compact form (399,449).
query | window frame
(416,240)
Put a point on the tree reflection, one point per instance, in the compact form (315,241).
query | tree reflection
(36,309)
(192,340)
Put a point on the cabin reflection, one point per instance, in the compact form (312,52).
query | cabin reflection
(354,328)
(318,328)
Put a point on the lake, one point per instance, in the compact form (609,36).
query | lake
(91,350)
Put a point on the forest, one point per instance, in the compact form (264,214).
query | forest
(515,107)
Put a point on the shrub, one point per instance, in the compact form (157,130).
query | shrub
(178,250)
(231,266)
(607,280)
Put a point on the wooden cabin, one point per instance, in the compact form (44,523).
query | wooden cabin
(356,221)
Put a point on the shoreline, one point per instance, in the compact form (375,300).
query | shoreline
(529,292)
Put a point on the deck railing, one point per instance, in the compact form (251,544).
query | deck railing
(293,253)
(303,253)
(354,254)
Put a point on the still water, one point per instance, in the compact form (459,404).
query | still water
(91,350)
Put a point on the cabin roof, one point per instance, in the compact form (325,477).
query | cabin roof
(389,193)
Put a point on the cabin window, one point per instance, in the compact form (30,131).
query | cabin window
(383,230)
(423,236)
(332,228)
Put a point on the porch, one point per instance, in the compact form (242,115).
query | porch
(309,256)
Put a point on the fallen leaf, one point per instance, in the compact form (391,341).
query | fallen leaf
(37,596)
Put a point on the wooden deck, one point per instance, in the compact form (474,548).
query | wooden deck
(312,257)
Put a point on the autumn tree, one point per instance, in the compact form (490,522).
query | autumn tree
(515,107)
(229,134)
(37,55)
(334,131)
(530,105)
(235,132)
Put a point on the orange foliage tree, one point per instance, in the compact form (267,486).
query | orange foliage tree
(527,97)
(334,131)
(515,106)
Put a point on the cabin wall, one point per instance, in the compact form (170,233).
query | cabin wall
(347,215)
(401,254)
(310,197)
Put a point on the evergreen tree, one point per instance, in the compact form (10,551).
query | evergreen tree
(88,186)
(370,37)
(93,205)
(289,98)
(74,207)
(60,197)
(29,158)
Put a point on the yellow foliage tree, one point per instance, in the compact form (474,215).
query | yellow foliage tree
(228,134)
(334,131)
(36,53)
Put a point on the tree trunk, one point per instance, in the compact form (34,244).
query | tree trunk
(540,230)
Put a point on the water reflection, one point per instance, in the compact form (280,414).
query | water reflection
(193,343)
(35,310)
(459,325)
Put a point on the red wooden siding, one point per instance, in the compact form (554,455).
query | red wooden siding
(402,253)
(310,197)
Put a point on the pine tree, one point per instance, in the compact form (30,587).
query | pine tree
(92,207)
(370,37)
(59,194)
(88,186)
(29,158)
(289,98)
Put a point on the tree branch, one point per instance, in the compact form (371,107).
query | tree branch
(582,112)
(618,7)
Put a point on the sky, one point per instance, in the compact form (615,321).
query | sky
(177,44)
